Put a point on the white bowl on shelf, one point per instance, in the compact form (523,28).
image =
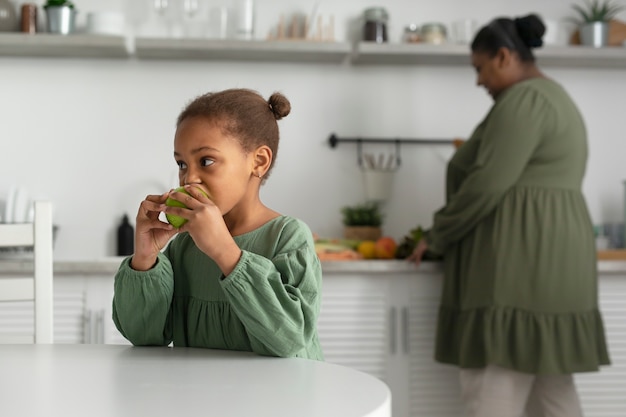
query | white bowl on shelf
(106,23)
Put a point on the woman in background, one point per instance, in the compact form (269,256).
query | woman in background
(519,309)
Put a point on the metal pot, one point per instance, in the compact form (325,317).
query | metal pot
(595,34)
(60,19)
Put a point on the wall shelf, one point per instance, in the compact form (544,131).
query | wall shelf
(296,51)
(61,46)
(367,53)
(238,50)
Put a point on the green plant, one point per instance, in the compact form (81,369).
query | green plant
(596,11)
(367,214)
(58,3)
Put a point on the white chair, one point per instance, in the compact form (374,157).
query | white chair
(37,288)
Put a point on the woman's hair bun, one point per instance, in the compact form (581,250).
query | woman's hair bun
(530,29)
(279,105)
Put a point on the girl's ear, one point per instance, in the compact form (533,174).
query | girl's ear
(262,160)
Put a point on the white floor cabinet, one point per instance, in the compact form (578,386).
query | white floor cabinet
(382,322)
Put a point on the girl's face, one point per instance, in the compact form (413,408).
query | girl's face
(216,163)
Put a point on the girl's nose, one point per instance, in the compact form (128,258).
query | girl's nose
(191,177)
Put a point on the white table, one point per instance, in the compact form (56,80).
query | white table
(113,380)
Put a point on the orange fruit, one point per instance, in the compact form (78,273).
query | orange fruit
(367,249)
(385,248)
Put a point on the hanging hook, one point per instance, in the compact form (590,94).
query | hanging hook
(398,160)
(359,150)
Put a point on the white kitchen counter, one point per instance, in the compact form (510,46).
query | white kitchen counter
(109,265)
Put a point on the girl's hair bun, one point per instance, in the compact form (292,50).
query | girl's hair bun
(279,105)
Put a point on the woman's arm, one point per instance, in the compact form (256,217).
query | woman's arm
(514,129)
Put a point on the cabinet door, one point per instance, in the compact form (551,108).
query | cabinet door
(602,393)
(17,318)
(421,386)
(433,387)
(354,322)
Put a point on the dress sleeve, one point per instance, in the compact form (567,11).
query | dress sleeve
(514,129)
(142,303)
(277,300)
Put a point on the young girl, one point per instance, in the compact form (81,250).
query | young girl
(239,275)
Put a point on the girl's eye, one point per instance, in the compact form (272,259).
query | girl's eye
(205,162)
(181,165)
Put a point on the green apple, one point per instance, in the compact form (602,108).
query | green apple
(174,220)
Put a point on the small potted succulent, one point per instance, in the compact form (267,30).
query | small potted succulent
(60,16)
(594,19)
(362,221)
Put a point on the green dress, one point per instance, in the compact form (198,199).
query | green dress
(520,270)
(268,304)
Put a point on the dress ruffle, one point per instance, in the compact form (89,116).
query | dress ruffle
(528,342)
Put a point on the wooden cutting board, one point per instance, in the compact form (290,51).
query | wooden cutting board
(612,255)
(617,34)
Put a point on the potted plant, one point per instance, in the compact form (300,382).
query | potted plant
(60,16)
(362,221)
(594,21)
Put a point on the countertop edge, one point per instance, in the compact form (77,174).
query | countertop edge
(110,265)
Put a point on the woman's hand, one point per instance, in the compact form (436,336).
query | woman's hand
(205,224)
(418,252)
(151,234)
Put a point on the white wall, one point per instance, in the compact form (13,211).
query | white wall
(95,136)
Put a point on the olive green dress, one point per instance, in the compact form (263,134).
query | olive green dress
(268,304)
(520,287)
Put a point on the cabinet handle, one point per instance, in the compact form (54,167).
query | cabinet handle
(87,327)
(100,327)
(392,330)
(405,330)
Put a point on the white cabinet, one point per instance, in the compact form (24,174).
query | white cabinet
(354,323)
(380,319)
(406,301)
(602,393)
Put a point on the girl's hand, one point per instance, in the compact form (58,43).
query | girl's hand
(151,234)
(418,252)
(205,224)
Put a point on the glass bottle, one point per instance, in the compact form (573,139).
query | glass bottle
(411,33)
(375,27)
(125,238)
(8,17)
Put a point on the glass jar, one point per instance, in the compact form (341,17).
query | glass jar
(8,17)
(433,33)
(411,33)
(375,27)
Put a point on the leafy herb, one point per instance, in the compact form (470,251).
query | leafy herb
(367,214)
(597,11)
(59,3)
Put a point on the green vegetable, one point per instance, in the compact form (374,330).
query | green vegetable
(367,214)
(597,11)
(59,3)
(409,242)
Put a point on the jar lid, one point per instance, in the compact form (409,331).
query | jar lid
(376,13)
(411,27)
